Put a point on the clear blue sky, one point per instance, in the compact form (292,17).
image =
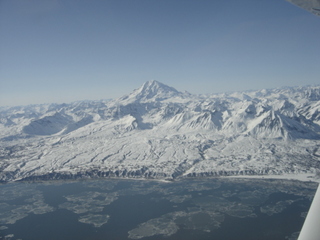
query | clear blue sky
(67,50)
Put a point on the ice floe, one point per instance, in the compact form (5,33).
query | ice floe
(275,208)
(96,220)
(33,203)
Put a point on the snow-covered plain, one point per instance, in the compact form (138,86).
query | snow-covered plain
(159,132)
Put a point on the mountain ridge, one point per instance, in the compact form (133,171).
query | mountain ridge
(158,132)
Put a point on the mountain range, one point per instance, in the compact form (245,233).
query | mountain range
(159,132)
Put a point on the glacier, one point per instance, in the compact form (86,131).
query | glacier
(158,132)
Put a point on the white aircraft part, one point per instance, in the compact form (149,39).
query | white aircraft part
(311,226)
(310,5)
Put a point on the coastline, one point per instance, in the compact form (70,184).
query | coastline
(304,177)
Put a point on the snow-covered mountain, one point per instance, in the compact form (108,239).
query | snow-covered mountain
(159,132)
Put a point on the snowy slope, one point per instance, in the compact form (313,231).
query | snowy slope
(159,132)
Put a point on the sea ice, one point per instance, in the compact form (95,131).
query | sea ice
(97,220)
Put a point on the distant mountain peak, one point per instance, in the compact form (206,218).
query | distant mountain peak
(154,87)
(152,91)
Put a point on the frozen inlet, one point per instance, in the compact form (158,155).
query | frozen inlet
(310,229)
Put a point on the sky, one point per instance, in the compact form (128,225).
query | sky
(55,51)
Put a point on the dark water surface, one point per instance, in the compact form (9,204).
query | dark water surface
(228,209)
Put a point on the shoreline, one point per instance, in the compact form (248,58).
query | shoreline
(306,177)
(303,177)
